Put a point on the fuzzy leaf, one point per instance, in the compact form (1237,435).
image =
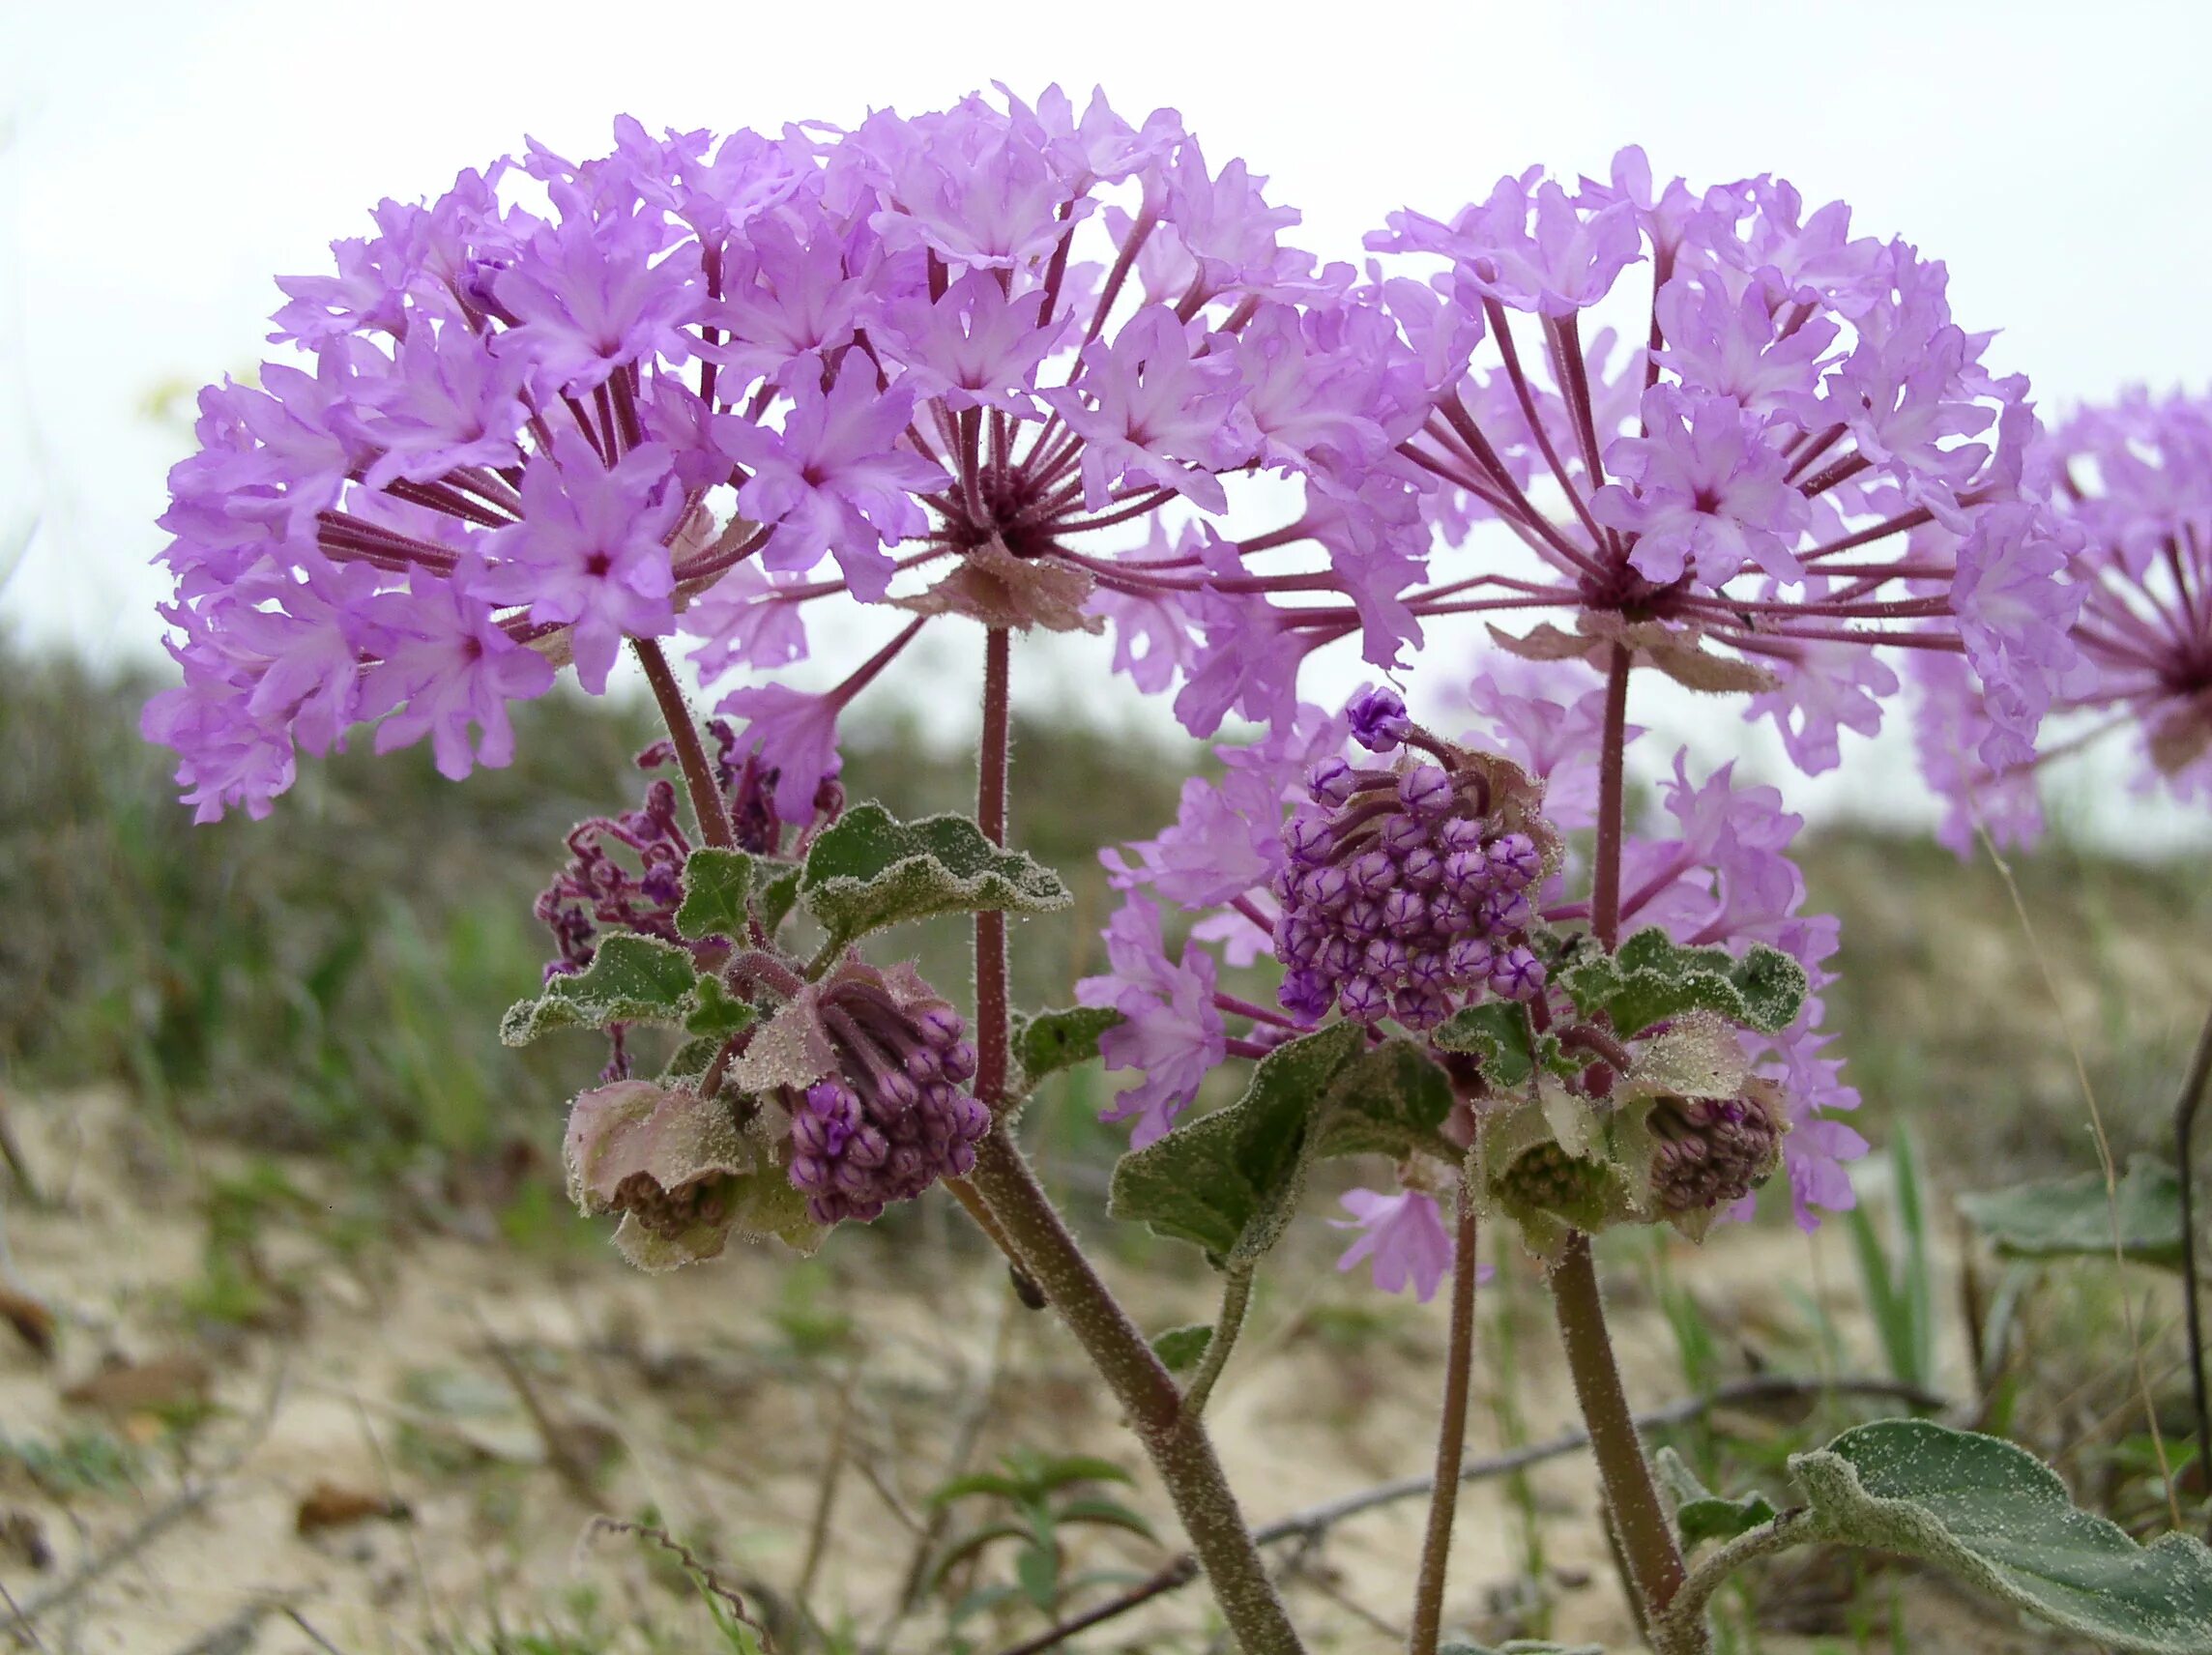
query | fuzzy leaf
(870,870)
(1181,1349)
(715,886)
(1653,977)
(714,1013)
(631,979)
(774,900)
(1053,1040)
(690,1060)
(1996,1516)
(2073,1217)
(1496,1035)
(1229,1180)
(1719,1518)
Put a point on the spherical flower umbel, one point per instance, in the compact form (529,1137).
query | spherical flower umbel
(521,436)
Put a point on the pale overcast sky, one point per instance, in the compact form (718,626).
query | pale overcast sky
(163,160)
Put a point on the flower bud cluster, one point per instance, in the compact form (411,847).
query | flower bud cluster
(1405,893)
(896,1116)
(1713,1151)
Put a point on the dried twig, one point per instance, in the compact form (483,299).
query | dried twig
(314,1636)
(826,1492)
(560,1442)
(1315,1521)
(694,1565)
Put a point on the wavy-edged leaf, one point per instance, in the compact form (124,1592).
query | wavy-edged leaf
(1229,1181)
(869,870)
(631,979)
(1049,1041)
(1653,977)
(775,897)
(716,883)
(1496,1035)
(1700,1514)
(2071,1217)
(713,1014)
(1995,1515)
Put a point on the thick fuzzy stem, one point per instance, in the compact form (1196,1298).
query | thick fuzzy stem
(1171,1435)
(691,753)
(1654,1561)
(1451,1440)
(1040,1244)
(1604,882)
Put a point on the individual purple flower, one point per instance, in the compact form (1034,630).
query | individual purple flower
(1377,718)
(1709,492)
(590,551)
(1402,1238)
(589,295)
(1173,1032)
(974,347)
(833,480)
(1154,412)
(449,665)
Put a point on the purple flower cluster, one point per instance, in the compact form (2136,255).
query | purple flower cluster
(1403,894)
(894,1118)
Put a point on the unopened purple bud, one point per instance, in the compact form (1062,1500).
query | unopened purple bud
(973,1120)
(1364,917)
(895,1090)
(1301,943)
(1421,868)
(1517,974)
(1304,994)
(1505,910)
(1425,790)
(960,1159)
(1428,969)
(1403,913)
(1372,873)
(1378,722)
(1515,860)
(1458,833)
(1448,917)
(1385,959)
(1362,998)
(959,1061)
(1470,959)
(941,1025)
(1419,1008)
(809,1173)
(1332,782)
(1327,887)
(1308,837)
(1399,834)
(852,1178)
(868,1147)
(1467,875)
(1339,957)
(922,1064)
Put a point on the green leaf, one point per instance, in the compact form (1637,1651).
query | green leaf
(1496,1035)
(714,1013)
(1996,1516)
(715,886)
(2073,1217)
(1229,1181)
(1053,1040)
(690,1060)
(1105,1513)
(1037,1568)
(1181,1349)
(1653,977)
(775,898)
(1700,1514)
(631,979)
(870,870)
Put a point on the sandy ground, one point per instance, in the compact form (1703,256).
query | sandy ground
(408,1451)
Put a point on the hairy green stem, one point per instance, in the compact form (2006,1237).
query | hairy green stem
(1683,1625)
(691,752)
(1654,1561)
(1235,1299)
(1451,1438)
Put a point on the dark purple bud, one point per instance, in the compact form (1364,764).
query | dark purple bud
(868,1149)
(1399,834)
(922,1064)
(1470,959)
(1467,875)
(1517,975)
(941,1025)
(1421,868)
(809,1173)
(1505,910)
(1429,969)
(1448,917)
(1385,959)
(1403,913)
(1458,833)
(1514,858)
(1419,1008)
(1372,873)
(1339,957)
(960,1061)
(1378,722)
(1364,917)
(1308,837)
(1362,999)
(1426,790)
(1327,887)
(960,1159)
(1304,994)
(1332,782)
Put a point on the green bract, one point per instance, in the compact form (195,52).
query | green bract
(1653,977)
(1049,1041)
(715,886)
(631,979)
